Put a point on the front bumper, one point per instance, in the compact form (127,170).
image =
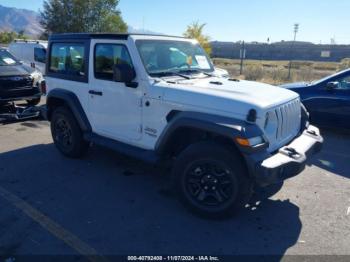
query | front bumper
(289,161)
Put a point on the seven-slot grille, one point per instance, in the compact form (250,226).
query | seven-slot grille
(288,119)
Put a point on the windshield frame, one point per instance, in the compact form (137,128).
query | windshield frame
(170,71)
(10,56)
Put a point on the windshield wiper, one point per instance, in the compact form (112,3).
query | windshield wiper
(192,70)
(170,73)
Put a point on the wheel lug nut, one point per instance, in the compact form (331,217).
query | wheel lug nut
(213,188)
(206,188)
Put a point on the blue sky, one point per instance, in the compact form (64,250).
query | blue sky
(233,20)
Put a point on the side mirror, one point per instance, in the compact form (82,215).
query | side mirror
(332,85)
(123,73)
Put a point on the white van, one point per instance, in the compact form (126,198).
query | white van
(31,52)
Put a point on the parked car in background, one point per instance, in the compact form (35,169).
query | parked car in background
(327,100)
(31,52)
(18,81)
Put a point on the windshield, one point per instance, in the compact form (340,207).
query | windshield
(163,56)
(316,82)
(7,59)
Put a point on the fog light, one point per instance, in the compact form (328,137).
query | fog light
(256,141)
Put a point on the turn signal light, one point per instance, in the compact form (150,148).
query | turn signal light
(254,141)
(242,141)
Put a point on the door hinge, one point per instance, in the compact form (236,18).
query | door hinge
(140,128)
(141,102)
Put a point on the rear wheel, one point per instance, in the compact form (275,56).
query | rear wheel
(67,134)
(34,102)
(211,180)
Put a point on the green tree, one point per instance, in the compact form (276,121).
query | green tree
(8,37)
(77,16)
(195,31)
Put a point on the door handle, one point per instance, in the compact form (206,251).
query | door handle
(96,93)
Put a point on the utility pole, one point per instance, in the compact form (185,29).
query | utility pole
(242,56)
(296,29)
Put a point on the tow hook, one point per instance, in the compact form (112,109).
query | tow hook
(291,152)
(312,132)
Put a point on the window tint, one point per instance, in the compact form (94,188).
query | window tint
(67,59)
(108,55)
(40,55)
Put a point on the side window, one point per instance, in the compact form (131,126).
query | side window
(108,55)
(40,55)
(344,83)
(67,59)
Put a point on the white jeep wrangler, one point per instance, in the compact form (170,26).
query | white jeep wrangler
(156,98)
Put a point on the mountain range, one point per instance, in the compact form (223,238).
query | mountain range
(14,19)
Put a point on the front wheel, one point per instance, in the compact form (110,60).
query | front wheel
(211,179)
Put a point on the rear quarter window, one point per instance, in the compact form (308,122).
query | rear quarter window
(68,61)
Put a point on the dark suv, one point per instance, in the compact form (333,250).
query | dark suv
(17,81)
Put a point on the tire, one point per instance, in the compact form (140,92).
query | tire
(211,180)
(67,134)
(34,102)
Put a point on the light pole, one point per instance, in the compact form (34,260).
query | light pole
(242,54)
(296,29)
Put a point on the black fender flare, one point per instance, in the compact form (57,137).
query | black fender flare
(220,125)
(72,102)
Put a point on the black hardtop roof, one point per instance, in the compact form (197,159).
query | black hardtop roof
(86,36)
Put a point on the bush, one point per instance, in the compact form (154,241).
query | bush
(253,72)
(307,74)
(279,75)
(344,64)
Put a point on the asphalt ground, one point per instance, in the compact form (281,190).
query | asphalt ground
(107,204)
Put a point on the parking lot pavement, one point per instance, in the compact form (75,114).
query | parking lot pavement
(115,205)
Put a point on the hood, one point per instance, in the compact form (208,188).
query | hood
(221,94)
(295,85)
(14,70)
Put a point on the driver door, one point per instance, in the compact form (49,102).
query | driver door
(113,107)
